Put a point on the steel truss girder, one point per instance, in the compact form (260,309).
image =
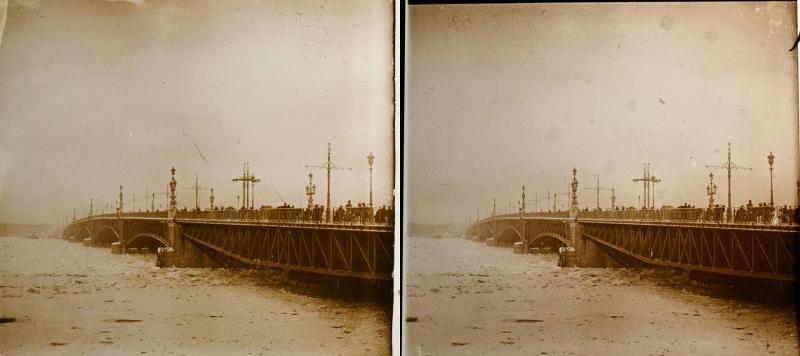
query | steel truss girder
(766,254)
(353,253)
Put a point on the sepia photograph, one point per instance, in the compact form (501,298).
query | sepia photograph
(198,177)
(601,179)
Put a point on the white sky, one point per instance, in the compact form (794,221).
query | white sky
(504,95)
(96,94)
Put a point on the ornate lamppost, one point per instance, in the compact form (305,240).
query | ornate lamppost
(119,211)
(173,204)
(613,200)
(771,160)
(574,186)
(311,189)
(211,199)
(370,160)
(711,189)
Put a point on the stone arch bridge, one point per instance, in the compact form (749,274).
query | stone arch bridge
(363,251)
(605,239)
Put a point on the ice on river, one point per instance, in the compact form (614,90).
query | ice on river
(69,299)
(464,298)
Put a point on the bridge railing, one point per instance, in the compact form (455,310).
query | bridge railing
(145,214)
(689,214)
(255,215)
(548,214)
(753,215)
(109,215)
(353,215)
(342,215)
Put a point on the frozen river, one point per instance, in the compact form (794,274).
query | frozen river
(74,300)
(467,298)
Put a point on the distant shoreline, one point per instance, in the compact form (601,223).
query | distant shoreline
(431,229)
(12,228)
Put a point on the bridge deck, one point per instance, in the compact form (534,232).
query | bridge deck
(239,220)
(583,216)
(751,249)
(354,249)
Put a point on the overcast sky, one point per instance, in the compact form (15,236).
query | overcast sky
(504,95)
(95,94)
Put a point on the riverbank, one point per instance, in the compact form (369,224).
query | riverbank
(69,299)
(466,298)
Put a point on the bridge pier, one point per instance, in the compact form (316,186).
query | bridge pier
(587,253)
(182,252)
(90,241)
(520,247)
(123,243)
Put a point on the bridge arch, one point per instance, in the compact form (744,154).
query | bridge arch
(508,236)
(548,240)
(106,236)
(151,241)
(481,231)
(485,232)
(83,233)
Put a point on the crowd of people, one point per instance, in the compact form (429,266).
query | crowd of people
(761,213)
(362,213)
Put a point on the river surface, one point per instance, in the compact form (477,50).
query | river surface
(73,300)
(464,298)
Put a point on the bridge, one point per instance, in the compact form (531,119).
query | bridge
(605,239)
(356,243)
(760,244)
(246,238)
